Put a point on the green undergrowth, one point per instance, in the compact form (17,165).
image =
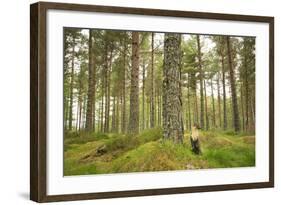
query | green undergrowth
(98,153)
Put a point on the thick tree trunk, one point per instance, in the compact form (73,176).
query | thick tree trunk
(236,121)
(201,83)
(134,93)
(172,102)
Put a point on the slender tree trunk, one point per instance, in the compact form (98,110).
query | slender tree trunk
(213,104)
(84,112)
(206,106)
(80,113)
(224,94)
(71,85)
(113,121)
(134,92)
(188,103)
(247,99)
(102,102)
(77,115)
(90,102)
(143,100)
(196,110)
(159,107)
(172,102)
(107,89)
(242,106)
(117,113)
(152,111)
(201,84)
(147,113)
(123,112)
(80,104)
(66,112)
(236,121)
(219,98)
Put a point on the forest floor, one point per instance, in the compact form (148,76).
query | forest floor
(89,153)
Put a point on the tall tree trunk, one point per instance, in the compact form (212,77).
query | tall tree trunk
(80,113)
(242,106)
(172,102)
(206,106)
(201,83)
(247,98)
(196,109)
(152,110)
(71,84)
(123,112)
(143,100)
(188,104)
(113,121)
(90,101)
(83,120)
(219,98)
(213,104)
(80,103)
(159,107)
(117,113)
(236,121)
(102,102)
(224,93)
(106,68)
(134,92)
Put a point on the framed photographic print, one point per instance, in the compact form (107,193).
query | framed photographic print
(134,102)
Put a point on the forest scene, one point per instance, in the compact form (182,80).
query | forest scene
(139,101)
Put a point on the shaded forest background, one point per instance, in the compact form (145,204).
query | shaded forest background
(128,83)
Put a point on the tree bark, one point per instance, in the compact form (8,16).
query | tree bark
(188,104)
(71,84)
(134,92)
(172,102)
(152,110)
(123,99)
(206,106)
(91,87)
(219,98)
(224,92)
(201,83)
(213,104)
(143,99)
(236,121)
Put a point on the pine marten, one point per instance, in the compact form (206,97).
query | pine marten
(194,139)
